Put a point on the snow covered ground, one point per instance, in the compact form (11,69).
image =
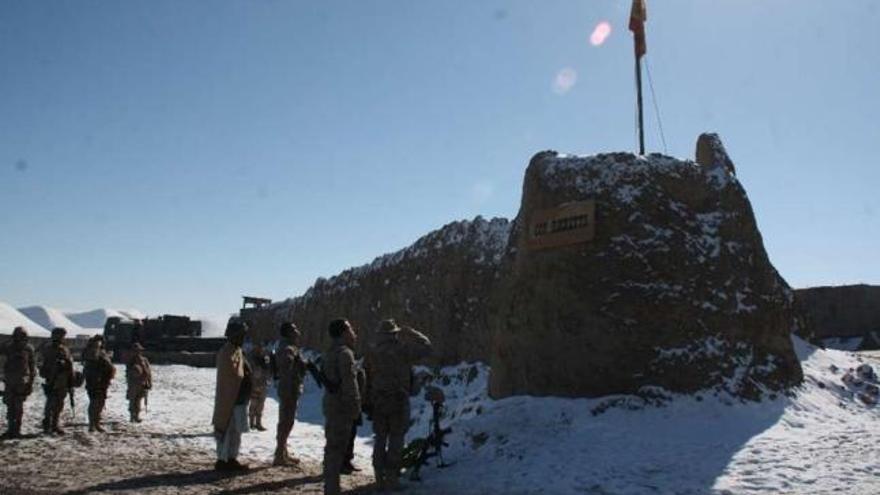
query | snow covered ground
(821,439)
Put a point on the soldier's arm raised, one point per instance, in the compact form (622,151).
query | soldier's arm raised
(418,344)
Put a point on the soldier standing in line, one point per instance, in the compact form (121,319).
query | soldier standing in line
(139,378)
(262,369)
(230,399)
(19,372)
(291,370)
(57,371)
(342,400)
(348,466)
(99,372)
(388,362)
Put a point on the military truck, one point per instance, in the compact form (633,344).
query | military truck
(165,334)
(262,317)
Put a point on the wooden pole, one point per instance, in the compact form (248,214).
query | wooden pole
(639,101)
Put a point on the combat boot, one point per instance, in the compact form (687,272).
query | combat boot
(283,458)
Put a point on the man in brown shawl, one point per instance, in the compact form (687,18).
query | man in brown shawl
(231,398)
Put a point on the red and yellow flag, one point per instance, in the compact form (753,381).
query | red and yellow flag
(637,17)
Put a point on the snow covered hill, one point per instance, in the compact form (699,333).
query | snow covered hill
(821,439)
(50,318)
(97,317)
(11,318)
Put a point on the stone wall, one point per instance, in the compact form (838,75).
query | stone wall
(843,311)
(675,290)
(657,278)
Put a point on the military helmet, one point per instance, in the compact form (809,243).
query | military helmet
(234,328)
(19,333)
(137,346)
(288,329)
(59,332)
(388,326)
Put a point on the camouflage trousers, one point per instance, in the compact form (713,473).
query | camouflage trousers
(390,422)
(255,408)
(337,429)
(287,404)
(14,412)
(97,398)
(134,403)
(54,407)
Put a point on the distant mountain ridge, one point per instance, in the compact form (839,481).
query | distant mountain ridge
(39,320)
(11,318)
(50,318)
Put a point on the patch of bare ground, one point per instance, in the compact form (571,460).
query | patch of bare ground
(127,460)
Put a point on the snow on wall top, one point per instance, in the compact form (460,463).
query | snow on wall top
(484,240)
(624,172)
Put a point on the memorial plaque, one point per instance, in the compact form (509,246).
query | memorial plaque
(566,224)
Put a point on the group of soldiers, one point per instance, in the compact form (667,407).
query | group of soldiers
(378,386)
(60,378)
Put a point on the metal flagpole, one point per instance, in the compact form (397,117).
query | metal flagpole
(639,101)
(637,17)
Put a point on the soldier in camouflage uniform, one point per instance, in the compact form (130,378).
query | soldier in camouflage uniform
(57,370)
(99,372)
(342,400)
(261,370)
(388,362)
(19,372)
(139,378)
(291,372)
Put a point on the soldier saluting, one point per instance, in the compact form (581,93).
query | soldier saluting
(57,371)
(99,372)
(342,400)
(19,373)
(388,363)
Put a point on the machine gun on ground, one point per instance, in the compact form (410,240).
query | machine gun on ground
(417,452)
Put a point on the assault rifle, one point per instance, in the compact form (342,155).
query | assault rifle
(314,369)
(417,453)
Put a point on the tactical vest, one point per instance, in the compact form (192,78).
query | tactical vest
(17,366)
(391,370)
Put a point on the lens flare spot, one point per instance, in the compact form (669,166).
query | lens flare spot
(564,80)
(600,33)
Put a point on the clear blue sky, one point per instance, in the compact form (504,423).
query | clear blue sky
(171,156)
